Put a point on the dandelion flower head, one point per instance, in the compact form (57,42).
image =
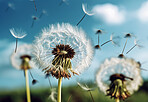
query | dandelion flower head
(120,66)
(22,59)
(63,48)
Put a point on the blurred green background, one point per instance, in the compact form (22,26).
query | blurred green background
(76,93)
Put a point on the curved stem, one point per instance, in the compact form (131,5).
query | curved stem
(117,100)
(91,96)
(27,86)
(59,90)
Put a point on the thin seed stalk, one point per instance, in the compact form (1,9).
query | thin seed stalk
(59,89)
(124,46)
(117,100)
(27,86)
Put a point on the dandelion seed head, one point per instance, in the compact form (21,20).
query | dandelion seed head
(17,33)
(63,44)
(125,66)
(86,11)
(24,51)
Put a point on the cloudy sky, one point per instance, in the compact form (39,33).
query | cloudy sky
(116,17)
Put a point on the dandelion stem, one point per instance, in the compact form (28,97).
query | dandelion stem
(91,96)
(59,90)
(27,86)
(117,100)
(106,42)
(124,45)
(131,49)
(16,44)
(81,20)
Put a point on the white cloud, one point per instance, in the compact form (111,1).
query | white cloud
(142,13)
(109,13)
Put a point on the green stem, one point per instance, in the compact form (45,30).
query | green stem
(59,90)
(117,100)
(27,86)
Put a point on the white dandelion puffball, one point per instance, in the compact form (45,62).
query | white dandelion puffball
(86,11)
(125,66)
(23,50)
(64,34)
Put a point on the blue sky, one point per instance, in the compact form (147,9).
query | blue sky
(113,16)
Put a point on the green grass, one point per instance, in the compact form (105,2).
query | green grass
(76,93)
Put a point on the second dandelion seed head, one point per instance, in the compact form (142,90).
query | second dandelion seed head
(119,78)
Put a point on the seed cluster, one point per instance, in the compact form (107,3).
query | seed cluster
(61,62)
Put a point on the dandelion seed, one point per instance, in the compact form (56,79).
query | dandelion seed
(53,95)
(113,39)
(99,31)
(10,6)
(119,78)
(136,44)
(66,49)
(89,13)
(139,66)
(86,88)
(34,81)
(18,34)
(34,19)
(128,35)
(48,76)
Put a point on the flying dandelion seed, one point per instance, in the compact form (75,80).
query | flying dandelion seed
(48,76)
(136,45)
(22,60)
(34,81)
(89,13)
(62,49)
(119,78)
(86,88)
(53,95)
(18,34)
(34,4)
(128,35)
(139,66)
(113,39)
(99,31)
(10,6)
(34,18)
(42,13)
(63,1)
